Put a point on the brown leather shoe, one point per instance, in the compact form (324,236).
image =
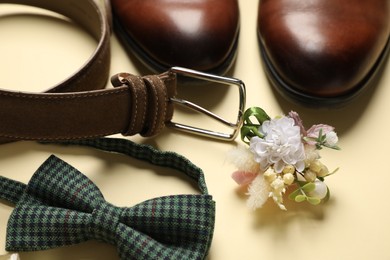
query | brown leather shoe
(323,52)
(199,34)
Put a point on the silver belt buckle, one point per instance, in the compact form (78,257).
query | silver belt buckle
(235,126)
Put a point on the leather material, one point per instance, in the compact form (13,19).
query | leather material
(94,74)
(79,107)
(323,48)
(200,34)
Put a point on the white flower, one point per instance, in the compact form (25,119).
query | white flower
(331,138)
(282,153)
(281,145)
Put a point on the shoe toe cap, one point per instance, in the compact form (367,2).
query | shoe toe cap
(195,34)
(323,51)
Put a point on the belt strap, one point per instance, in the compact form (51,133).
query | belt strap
(79,107)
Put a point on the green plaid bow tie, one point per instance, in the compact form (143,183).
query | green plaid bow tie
(60,206)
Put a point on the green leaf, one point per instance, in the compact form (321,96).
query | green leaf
(294,194)
(334,147)
(321,137)
(313,200)
(246,133)
(250,129)
(308,187)
(256,112)
(300,198)
(334,171)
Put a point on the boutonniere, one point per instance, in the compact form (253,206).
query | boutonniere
(280,155)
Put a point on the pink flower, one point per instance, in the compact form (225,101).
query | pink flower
(298,121)
(243,177)
(315,130)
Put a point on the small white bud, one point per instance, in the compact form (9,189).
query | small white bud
(331,138)
(270,175)
(288,178)
(278,184)
(316,166)
(323,172)
(289,169)
(320,190)
(310,176)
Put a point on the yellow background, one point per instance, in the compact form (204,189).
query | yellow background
(36,52)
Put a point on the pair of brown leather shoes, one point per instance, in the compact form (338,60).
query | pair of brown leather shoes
(320,52)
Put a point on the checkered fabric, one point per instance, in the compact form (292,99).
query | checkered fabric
(60,206)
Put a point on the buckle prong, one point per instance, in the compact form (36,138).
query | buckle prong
(217,79)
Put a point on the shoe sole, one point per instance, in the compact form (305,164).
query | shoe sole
(293,95)
(131,46)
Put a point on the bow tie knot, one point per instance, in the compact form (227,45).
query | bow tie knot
(104,222)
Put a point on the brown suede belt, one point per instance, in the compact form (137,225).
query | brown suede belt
(80,108)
